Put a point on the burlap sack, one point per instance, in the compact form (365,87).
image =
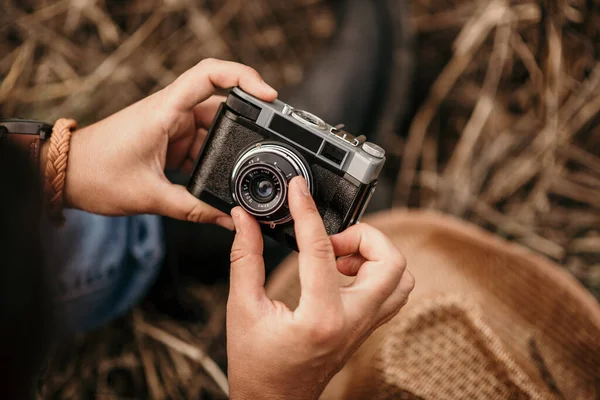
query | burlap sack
(487,320)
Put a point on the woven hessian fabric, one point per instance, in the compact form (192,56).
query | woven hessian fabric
(487,320)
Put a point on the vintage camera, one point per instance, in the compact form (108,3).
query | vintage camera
(254,148)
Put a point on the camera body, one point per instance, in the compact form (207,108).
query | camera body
(254,148)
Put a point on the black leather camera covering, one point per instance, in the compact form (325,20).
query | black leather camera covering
(336,197)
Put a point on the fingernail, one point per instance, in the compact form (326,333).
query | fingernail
(235,214)
(225,222)
(301,183)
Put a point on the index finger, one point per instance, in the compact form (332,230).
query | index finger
(382,271)
(318,271)
(247,273)
(365,240)
(204,113)
(200,82)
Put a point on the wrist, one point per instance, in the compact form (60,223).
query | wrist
(264,393)
(273,390)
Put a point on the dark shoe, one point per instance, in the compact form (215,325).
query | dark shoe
(363,79)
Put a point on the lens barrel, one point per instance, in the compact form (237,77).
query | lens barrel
(260,180)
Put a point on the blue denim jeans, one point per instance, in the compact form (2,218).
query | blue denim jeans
(103,265)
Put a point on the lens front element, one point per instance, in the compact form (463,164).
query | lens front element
(262,189)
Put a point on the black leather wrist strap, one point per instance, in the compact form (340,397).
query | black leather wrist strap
(25,134)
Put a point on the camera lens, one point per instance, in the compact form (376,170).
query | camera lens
(260,178)
(262,189)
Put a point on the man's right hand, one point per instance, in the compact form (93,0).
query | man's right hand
(276,353)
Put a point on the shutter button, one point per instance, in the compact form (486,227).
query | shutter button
(373,150)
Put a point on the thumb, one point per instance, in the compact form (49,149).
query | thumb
(247,264)
(176,202)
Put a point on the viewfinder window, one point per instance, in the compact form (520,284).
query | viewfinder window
(333,153)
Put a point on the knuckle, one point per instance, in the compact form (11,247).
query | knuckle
(399,296)
(237,254)
(240,255)
(370,231)
(390,309)
(321,247)
(395,270)
(393,311)
(397,266)
(251,71)
(197,214)
(399,262)
(166,95)
(388,316)
(170,98)
(207,62)
(396,303)
(326,331)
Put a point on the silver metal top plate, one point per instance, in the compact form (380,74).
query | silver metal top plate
(358,164)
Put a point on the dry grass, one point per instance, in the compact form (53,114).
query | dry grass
(504,134)
(89,58)
(146,355)
(507,135)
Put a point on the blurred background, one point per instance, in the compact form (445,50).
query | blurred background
(488,109)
